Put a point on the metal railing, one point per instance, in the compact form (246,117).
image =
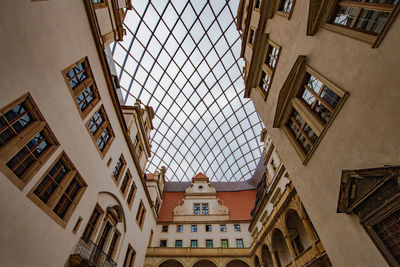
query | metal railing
(89,251)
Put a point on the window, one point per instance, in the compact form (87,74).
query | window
(60,190)
(224,243)
(125,183)
(26,142)
(163,243)
(285,8)
(237,227)
(372,195)
(93,223)
(257,4)
(252,36)
(140,214)
(131,195)
(178,243)
(204,209)
(118,169)
(129,257)
(179,228)
(193,243)
(239,243)
(83,89)
(367,21)
(268,68)
(309,109)
(137,147)
(208,228)
(165,228)
(222,228)
(209,243)
(196,209)
(101,131)
(114,244)
(194,228)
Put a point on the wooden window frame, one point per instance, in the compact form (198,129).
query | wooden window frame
(234,228)
(210,228)
(14,145)
(176,241)
(163,241)
(125,182)
(202,209)
(369,38)
(79,89)
(194,209)
(267,69)
(212,243)
(237,245)
(179,226)
(222,226)
(194,227)
(162,228)
(251,44)
(101,128)
(227,243)
(100,5)
(129,259)
(59,191)
(121,171)
(95,227)
(112,250)
(288,101)
(287,15)
(140,215)
(191,243)
(131,195)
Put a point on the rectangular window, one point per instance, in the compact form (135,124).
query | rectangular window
(131,195)
(222,228)
(60,189)
(129,257)
(224,243)
(101,131)
(126,182)
(179,228)
(239,243)
(118,169)
(369,16)
(93,223)
(81,84)
(165,228)
(26,141)
(285,6)
(237,227)
(140,214)
(194,228)
(193,243)
(114,244)
(301,131)
(178,243)
(208,228)
(252,36)
(196,209)
(268,68)
(163,243)
(204,209)
(209,243)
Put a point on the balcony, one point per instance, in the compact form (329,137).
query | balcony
(89,255)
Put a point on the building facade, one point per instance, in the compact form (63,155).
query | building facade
(315,72)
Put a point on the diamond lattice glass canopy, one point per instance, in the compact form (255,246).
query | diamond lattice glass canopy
(183,59)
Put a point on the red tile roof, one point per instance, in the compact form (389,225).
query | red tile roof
(200,175)
(239,203)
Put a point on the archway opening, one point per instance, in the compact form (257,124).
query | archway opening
(297,233)
(204,263)
(256,261)
(171,263)
(237,263)
(280,249)
(266,257)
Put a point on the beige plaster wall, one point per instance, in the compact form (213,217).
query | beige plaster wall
(365,133)
(40,39)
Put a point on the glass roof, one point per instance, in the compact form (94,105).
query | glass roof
(183,59)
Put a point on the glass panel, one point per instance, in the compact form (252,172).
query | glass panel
(85,98)
(371,21)
(192,77)
(285,5)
